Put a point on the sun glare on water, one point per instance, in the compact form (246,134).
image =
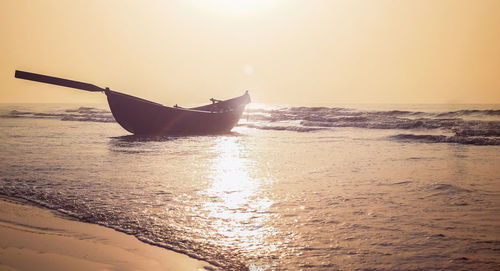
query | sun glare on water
(235,199)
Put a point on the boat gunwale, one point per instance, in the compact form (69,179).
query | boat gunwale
(175,108)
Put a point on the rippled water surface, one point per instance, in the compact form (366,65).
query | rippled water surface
(311,188)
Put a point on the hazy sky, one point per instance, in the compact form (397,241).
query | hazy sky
(283,52)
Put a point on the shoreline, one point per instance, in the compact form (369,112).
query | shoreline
(37,238)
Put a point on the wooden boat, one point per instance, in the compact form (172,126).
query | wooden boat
(143,117)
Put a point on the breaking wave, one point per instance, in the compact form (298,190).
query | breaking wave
(471,127)
(480,141)
(282,128)
(470,112)
(79,114)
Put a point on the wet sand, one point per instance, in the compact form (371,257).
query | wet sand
(33,238)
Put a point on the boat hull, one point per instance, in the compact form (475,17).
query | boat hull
(142,117)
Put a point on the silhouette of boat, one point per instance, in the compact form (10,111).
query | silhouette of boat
(143,117)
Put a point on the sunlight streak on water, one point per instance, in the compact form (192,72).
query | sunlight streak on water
(234,199)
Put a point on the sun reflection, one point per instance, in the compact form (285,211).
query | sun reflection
(235,200)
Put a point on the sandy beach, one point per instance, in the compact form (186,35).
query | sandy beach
(33,238)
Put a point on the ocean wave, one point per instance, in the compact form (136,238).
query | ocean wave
(480,141)
(302,112)
(89,114)
(470,112)
(371,122)
(454,194)
(87,110)
(467,131)
(479,131)
(447,187)
(282,128)
(89,118)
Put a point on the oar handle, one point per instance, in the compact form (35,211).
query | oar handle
(57,81)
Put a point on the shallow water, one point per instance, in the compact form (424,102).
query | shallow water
(312,188)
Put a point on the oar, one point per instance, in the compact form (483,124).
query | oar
(57,81)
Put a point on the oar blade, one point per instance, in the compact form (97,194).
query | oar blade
(57,81)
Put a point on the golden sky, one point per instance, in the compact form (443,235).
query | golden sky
(282,51)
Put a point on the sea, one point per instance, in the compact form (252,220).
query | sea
(337,187)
